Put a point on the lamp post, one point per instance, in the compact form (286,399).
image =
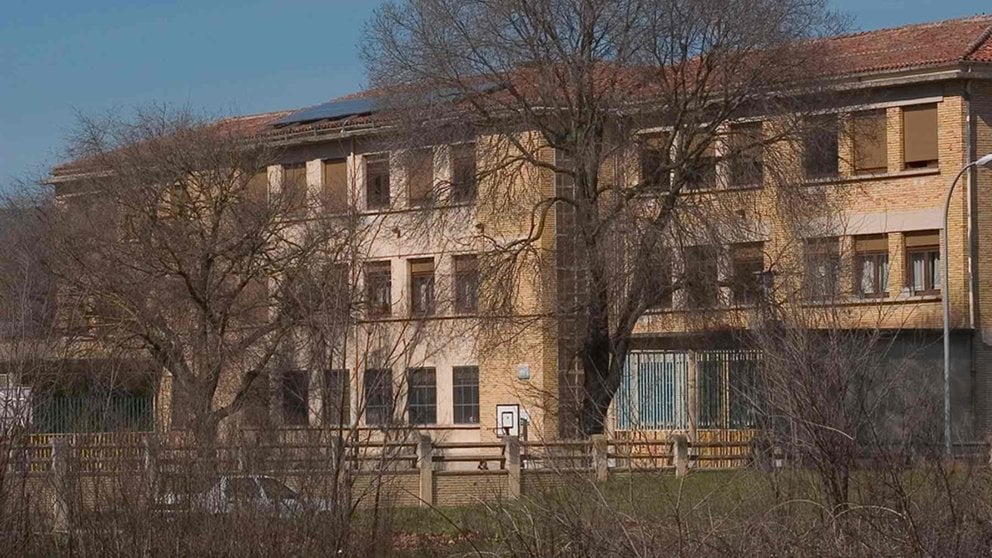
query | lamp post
(985,161)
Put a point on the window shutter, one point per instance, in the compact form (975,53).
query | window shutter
(422,266)
(920,134)
(335,189)
(873,243)
(915,240)
(870,149)
(420,175)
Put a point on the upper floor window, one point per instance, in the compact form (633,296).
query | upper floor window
(701,171)
(748,265)
(466,284)
(821,280)
(422,287)
(701,277)
(820,147)
(869,130)
(377,181)
(464,186)
(923,265)
(659,287)
(294,184)
(871,265)
(919,125)
(419,165)
(258,186)
(378,289)
(655,162)
(746,161)
(335,185)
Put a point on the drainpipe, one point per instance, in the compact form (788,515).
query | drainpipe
(970,155)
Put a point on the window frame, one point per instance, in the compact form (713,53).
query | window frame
(421,395)
(430,302)
(876,257)
(464,185)
(930,273)
(381,278)
(378,384)
(811,139)
(914,164)
(377,166)
(466,273)
(827,248)
(462,410)
(748,161)
(336,389)
(750,282)
(858,120)
(292,402)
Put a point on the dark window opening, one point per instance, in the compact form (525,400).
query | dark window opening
(378,396)
(421,400)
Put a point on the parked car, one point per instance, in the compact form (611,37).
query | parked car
(234,494)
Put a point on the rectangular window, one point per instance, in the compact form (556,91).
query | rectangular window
(422,287)
(701,277)
(378,289)
(258,186)
(919,126)
(337,397)
(820,147)
(654,391)
(748,266)
(295,397)
(377,181)
(466,284)
(870,142)
(871,265)
(464,181)
(334,192)
(294,184)
(421,399)
(420,176)
(659,286)
(465,394)
(378,396)
(923,263)
(821,281)
(746,161)
(701,174)
(655,162)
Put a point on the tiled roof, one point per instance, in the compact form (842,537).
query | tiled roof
(908,47)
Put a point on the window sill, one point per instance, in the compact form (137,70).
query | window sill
(905,173)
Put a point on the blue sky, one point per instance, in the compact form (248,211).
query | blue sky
(217,56)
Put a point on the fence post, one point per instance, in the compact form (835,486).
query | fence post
(680,454)
(512,466)
(600,457)
(425,462)
(60,485)
(151,465)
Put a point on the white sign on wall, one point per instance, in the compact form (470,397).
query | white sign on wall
(508,419)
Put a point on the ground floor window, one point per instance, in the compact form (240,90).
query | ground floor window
(465,394)
(92,410)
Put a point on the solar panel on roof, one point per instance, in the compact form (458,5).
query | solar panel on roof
(329,111)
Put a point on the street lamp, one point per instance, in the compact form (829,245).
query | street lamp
(985,161)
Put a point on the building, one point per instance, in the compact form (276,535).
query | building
(917,105)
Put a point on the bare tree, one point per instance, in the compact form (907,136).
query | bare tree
(576,89)
(168,237)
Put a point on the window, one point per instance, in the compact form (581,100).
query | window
(464,185)
(378,396)
(465,394)
(336,397)
(421,399)
(822,268)
(748,265)
(655,162)
(378,289)
(659,286)
(377,181)
(919,125)
(258,186)
(870,148)
(422,287)
(701,277)
(701,174)
(746,163)
(654,391)
(871,265)
(420,176)
(820,147)
(334,192)
(295,397)
(294,184)
(924,265)
(466,284)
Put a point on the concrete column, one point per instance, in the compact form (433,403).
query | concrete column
(692,394)
(60,486)
(425,463)
(512,467)
(680,455)
(151,465)
(600,457)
